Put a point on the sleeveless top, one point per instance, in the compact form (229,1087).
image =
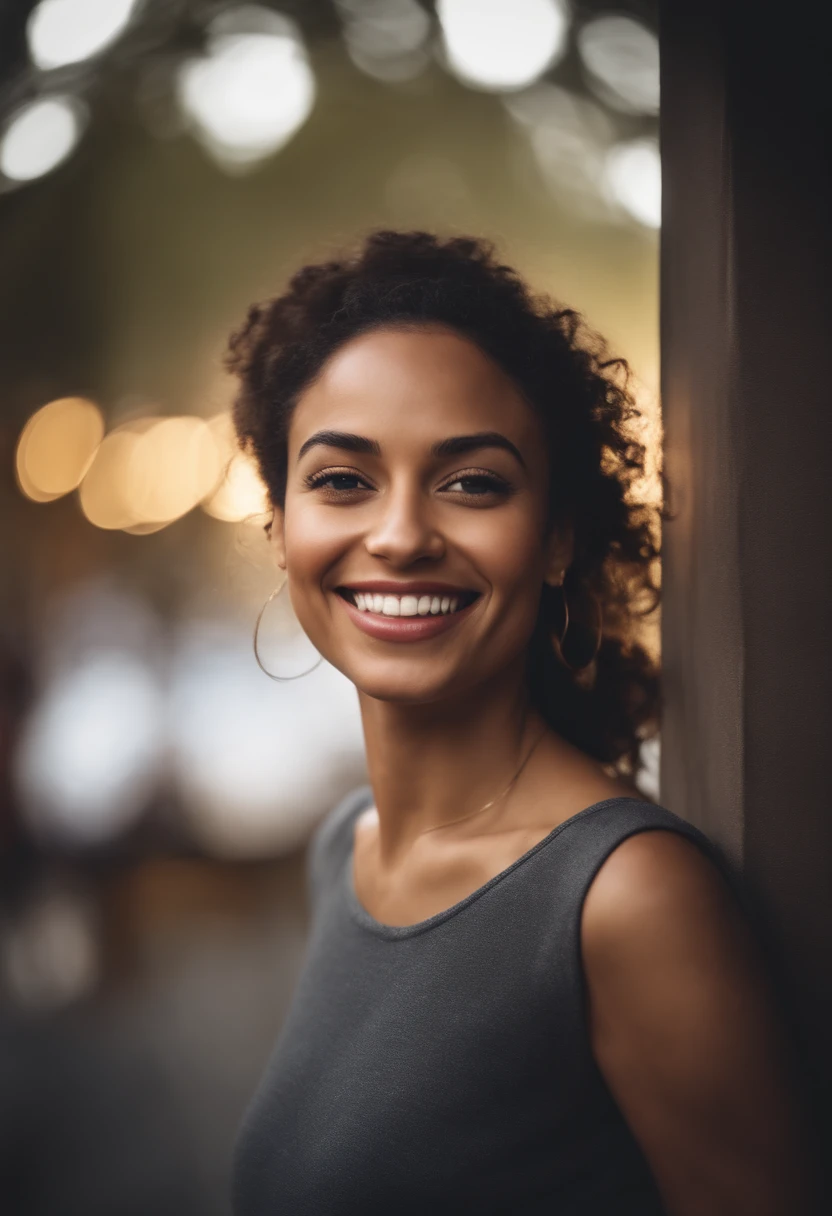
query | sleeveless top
(446,1066)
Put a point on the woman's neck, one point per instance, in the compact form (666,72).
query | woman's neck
(431,764)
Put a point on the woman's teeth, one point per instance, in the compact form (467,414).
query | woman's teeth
(407,605)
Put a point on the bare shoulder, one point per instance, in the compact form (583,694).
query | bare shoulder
(685,1032)
(655,872)
(659,911)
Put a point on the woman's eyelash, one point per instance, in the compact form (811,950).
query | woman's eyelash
(327,477)
(488,483)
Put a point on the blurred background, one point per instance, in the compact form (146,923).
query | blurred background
(163,163)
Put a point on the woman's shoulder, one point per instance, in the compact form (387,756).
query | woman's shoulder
(637,832)
(655,865)
(331,840)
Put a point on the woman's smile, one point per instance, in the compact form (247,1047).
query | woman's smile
(405,612)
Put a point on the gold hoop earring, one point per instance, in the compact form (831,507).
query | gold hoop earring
(558,642)
(265,670)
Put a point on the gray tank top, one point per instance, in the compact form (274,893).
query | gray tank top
(446,1067)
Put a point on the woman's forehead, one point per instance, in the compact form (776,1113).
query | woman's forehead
(421,379)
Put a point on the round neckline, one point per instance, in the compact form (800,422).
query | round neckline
(367,921)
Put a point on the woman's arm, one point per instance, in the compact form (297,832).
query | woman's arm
(684,1030)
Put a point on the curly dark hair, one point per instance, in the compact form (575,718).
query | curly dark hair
(609,703)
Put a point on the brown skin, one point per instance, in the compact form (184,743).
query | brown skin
(680,1020)
(684,1031)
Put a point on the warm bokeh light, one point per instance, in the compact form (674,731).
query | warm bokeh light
(172,466)
(241,494)
(67,31)
(502,44)
(253,89)
(151,471)
(39,136)
(56,447)
(102,492)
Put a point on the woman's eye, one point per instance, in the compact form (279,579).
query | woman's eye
(336,482)
(477,485)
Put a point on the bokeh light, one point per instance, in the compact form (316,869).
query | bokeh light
(149,472)
(56,447)
(172,465)
(88,757)
(633,175)
(502,44)
(240,494)
(386,39)
(40,135)
(67,31)
(246,753)
(103,493)
(621,57)
(569,135)
(251,91)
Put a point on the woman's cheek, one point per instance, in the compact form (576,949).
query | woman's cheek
(509,551)
(310,553)
(313,540)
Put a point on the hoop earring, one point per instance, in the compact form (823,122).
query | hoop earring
(558,643)
(265,670)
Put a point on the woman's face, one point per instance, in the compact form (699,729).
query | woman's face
(414,527)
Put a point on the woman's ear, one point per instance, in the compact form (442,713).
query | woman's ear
(277,538)
(560,549)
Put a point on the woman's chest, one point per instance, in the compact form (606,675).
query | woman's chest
(404,1069)
(434,877)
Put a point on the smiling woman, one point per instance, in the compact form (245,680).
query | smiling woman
(597,687)
(528,989)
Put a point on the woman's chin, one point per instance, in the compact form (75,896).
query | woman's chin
(401,684)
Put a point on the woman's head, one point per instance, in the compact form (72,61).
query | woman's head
(427,427)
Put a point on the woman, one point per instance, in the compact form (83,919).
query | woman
(528,989)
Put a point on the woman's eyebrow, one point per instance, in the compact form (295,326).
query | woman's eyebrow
(459,445)
(456,445)
(340,439)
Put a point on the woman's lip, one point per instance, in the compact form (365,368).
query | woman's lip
(402,628)
(386,587)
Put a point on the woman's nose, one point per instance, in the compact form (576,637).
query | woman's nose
(403,531)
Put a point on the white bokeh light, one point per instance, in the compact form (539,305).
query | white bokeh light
(253,89)
(648,777)
(502,44)
(67,31)
(39,136)
(257,763)
(633,177)
(621,57)
(88,757)
(569,135)
(386,39)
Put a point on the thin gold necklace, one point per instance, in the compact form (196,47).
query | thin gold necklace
(499,797)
